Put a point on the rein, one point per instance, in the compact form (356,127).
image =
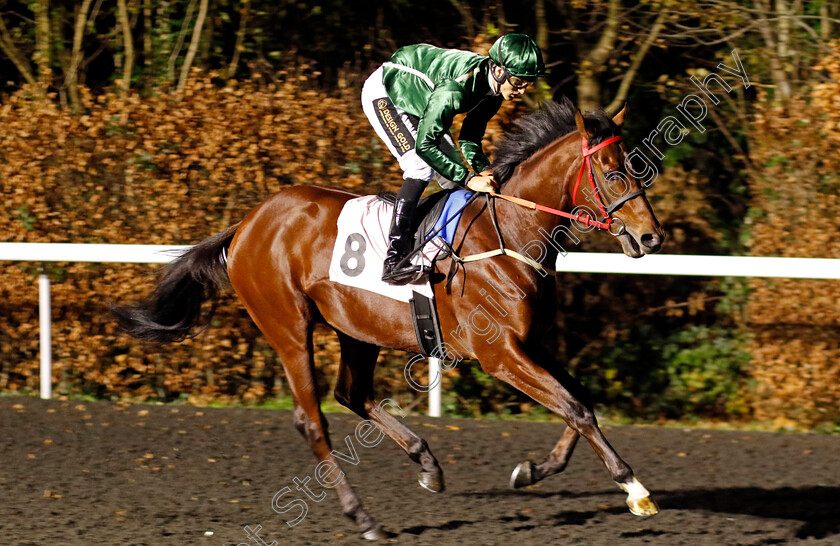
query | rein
(536,206)
(587,220)
(606,211)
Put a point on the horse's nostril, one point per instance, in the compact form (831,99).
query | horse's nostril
(651,240)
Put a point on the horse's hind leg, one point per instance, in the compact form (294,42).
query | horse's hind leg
(528,473)
(354,390)
(291,338)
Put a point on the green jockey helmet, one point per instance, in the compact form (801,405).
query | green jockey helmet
(519,55)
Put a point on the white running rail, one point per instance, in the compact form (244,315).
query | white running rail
(574,262)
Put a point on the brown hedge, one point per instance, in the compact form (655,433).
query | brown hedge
(796,212)
(165,170)
(159,170)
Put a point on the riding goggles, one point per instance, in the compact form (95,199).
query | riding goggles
(518,82)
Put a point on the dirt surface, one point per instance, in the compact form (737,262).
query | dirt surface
(104,473)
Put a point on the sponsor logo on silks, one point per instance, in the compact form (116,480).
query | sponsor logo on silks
(398,134)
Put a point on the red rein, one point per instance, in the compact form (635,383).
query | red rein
(586,220)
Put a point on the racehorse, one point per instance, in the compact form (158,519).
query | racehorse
(277,262)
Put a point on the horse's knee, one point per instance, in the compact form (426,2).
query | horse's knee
(494,368)
(582,418)
(359,405)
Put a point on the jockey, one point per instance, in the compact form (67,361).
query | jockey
(411,102)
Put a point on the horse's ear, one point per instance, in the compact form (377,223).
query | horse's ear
(618,119)
(581,126)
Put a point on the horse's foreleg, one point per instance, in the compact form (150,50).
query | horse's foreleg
(562,394)
(354,390)
(528,473)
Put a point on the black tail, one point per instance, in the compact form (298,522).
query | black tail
(175,307)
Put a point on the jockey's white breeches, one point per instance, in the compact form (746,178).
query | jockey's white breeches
(398,130)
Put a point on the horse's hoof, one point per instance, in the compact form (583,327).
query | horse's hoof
(522,475)
(375,534)
(644,506)
(433,481)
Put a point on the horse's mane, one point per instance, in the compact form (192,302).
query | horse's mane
(536,130)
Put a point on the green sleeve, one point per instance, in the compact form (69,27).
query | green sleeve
(436,121)
(472,132)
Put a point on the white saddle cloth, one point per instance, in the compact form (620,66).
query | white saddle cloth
(361,246)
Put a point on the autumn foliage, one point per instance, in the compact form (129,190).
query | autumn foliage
(167,169)
(164,169)
(796,212)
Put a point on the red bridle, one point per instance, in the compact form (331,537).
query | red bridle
(587,164)
(586,219)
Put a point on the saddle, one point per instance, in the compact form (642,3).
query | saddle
(426,215)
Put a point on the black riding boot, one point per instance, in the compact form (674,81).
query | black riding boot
(401,237)
(401,243)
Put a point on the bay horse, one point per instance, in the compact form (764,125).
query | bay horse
(277,262)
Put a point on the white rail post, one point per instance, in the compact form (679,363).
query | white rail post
(434,392)
(45,320)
